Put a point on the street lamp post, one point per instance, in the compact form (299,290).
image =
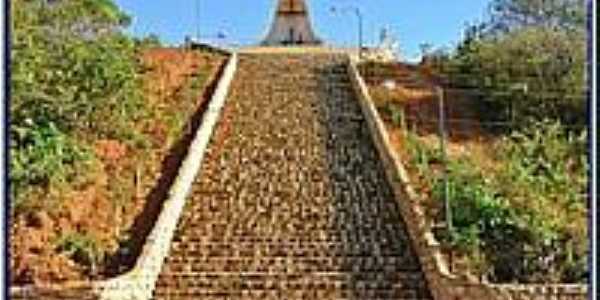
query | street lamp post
(359,16)
(198,20)
(360,32)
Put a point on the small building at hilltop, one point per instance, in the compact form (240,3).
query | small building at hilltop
(291,25)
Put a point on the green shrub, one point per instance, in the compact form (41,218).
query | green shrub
(527,62)
(524,222)
(82,248)
(80,83)
(485,226)
(75,79)
(525,82)
(422,156)
(545,174)
(547,159)
(41,155)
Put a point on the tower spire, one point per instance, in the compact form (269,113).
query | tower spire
(291,25)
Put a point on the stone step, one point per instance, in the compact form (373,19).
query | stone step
(309,292)
(198,263)
(274,280)
(291,201)
(397,285)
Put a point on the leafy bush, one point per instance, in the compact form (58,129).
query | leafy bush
(422,157)
(528,61)
(485,226)
(545,175)
(79,82)
(520,215)
(40,154)
(524,222)
(149,41)
(530,74)
(82,248)
(82,138)
(74,79)
(546,159)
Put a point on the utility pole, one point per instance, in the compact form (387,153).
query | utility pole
(443,136)
(197,21)
(360,31)
(359,16)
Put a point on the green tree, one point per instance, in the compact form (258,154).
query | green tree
(509,15)
(74,78)
(528,59)
(527,64)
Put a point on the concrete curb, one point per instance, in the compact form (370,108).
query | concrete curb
(443,284)
(139,283)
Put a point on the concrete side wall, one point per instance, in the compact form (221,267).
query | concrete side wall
(139,283)
(443,284)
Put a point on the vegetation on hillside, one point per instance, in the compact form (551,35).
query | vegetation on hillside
(519,210)
(529,62)
(74,78)
(89,136)
(526,221)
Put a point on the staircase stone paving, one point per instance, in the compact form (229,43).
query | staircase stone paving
(291,201)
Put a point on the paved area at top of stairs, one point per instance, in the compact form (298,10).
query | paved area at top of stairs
(291,201)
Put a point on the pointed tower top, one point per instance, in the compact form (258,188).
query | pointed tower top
(291,25)
(286,7)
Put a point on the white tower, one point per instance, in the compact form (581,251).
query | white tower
(291,25)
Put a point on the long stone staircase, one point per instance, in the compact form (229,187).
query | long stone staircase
(291,201)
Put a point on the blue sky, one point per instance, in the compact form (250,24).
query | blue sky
(439,22)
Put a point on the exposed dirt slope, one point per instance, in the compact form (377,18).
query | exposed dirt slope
(97,226)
